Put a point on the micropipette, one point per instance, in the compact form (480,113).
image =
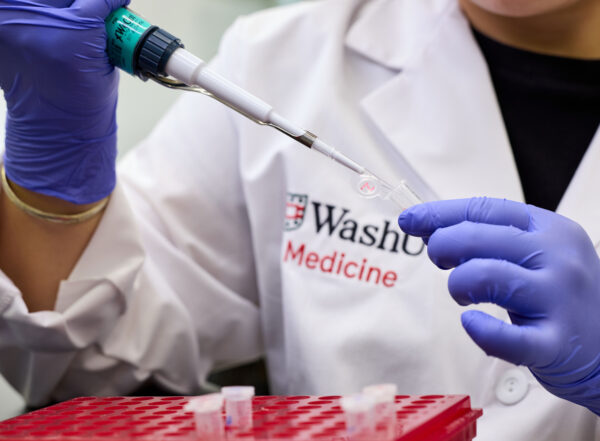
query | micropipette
(149,52)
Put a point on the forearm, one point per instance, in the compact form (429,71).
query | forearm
(36,254)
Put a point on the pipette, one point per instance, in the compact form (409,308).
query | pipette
(149,52)
(192,71)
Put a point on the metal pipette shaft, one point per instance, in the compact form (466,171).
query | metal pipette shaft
(192,71)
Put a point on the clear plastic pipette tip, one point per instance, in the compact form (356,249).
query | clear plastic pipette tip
(329,151)
(369,185)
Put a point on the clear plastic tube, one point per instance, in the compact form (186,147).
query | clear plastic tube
(370,186)
(360,419)
(384,396)
(207,416)
(238,406)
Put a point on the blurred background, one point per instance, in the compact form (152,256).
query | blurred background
(200,24)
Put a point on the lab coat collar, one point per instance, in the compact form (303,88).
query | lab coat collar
(440,112)
(581,201)
(389,32)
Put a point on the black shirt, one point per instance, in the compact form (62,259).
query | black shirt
(551,109)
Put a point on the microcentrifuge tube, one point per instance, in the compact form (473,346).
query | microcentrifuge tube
(238,406)
(384,396)
(207,416)
(370,186)
(360,418)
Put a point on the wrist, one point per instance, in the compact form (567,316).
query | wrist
(50,204)
(48,208)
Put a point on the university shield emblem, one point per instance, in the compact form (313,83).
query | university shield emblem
(295,209)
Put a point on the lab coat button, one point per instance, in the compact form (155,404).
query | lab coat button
(512,387)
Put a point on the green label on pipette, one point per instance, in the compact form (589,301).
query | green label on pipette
(125,30)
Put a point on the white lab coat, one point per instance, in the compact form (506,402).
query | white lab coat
(218,243)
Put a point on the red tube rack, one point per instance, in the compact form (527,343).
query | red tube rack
(297,418)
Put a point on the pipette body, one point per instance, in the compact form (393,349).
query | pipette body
(149,52)
(193,71)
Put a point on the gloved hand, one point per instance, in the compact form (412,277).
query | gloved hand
(61,93)
(541,267)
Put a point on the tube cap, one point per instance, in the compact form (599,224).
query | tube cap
(358,403)
(155,51)
(382,393)
(238,393)
(205,404)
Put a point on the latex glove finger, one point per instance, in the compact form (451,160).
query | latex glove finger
(98,8)
(500,282)
(422,220)
(515,344)
(47,3)
(451,246)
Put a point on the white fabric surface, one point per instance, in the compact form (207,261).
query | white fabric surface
(192,269)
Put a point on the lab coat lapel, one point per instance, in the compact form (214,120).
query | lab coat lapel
(581,201)
(440,112)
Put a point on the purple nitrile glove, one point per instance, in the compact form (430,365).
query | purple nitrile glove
(61,93)
(541,267)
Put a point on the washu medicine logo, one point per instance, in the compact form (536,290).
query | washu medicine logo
(352,250)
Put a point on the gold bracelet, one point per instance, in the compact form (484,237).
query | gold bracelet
(64,219)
